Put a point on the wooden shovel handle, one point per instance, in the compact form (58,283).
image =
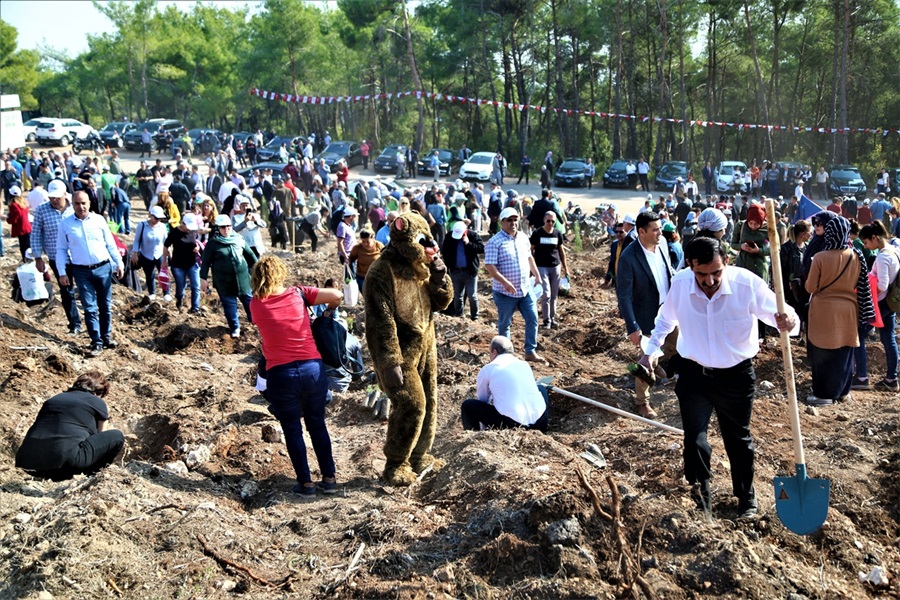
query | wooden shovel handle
(784,337)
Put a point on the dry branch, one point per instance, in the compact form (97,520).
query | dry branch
(225,562)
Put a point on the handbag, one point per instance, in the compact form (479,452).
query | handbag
(351,288)
(877,322)
(330,336)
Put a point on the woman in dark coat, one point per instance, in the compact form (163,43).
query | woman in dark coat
(230,259)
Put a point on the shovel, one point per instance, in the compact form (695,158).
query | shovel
(801,502)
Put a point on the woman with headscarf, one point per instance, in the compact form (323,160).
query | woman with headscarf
(841,301)
(230,259)
(817,241)
(751,241)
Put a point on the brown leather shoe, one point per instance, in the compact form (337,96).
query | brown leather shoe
(535,358)
(646,411)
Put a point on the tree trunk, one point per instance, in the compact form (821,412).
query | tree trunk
(763,101)
(842,137)
(420,103)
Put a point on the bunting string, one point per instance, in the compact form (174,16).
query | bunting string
(279,97)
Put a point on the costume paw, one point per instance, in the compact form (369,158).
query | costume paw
(399,475)
(420,464)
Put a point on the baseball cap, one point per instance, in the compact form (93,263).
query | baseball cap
(629,218)
(157,211)
(508,212)
(15,190)
(350,212)
(459,229)
(190,221)
(244,200)
(56,189)
(669,227)
(223,220)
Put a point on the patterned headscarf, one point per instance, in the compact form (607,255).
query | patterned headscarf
(837,237)
(816,242)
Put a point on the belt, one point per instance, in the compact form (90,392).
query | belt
(721,372)
(92,267)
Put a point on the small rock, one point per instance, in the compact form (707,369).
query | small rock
(22,518)
(177,467)
(766,385)
(858,544)
(841,417)
(445,575)
(877,577)
(543,469)
(248,489)
(272,433)
(793,596)
(197,457)
(228,585)
(812,410)
(207,367)
(566,532)
(650,563)
(134,354)
(45,595)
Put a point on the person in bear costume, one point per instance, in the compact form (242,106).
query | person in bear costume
(404,287)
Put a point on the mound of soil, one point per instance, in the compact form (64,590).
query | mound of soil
(199,503)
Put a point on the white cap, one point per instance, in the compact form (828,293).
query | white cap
(508,212)
(350,212)
(459,229)
(628,219)
(223,220)
(15,190)
(157,211)
(244,200)
(190,221)
(56,189)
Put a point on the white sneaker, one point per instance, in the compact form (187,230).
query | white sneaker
(236,333)
(152,297)
(167,298)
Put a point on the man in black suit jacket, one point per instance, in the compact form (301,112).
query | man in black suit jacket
(213,183)
(643,277)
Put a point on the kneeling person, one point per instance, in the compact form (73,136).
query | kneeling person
(508,396)
(70,434)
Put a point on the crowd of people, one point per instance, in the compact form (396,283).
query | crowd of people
(684,265)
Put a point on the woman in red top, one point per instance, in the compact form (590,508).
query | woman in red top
(343,172)
(296,380)
(18,218)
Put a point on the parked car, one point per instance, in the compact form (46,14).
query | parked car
(449,162)
(158,128)
(724,174)
(846,180)
(269,152)
(667,175)
(30,125)
(61,132)
(196,137)
(786,188)
(386,162)
(616,174)
(277,169)
(571,173)
(479,167)
(895,181)
(112,133)
(348,151)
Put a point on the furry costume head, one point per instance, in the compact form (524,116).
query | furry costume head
(412,248)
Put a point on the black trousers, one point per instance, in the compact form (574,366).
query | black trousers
(524,173)
(474,413)
(94,453)
(306,228)
(728,392)
(67,296)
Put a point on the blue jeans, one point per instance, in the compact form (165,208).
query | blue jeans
(95,291)
(230,306)
(527,305)
(122,214)
(67,295)
(181,277)
(888,340)
(297,390)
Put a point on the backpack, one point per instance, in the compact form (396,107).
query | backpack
(893,292)
(331,340)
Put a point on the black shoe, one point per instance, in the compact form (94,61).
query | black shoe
(75,330)
(702,497)
(96,350)
(748,507)
(111,344)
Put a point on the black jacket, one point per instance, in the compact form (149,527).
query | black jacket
(472,250)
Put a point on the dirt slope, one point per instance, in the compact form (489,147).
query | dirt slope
(506,518)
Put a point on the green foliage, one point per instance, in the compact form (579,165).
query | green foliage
(18,68)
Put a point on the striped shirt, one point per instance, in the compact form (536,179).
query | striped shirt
(510,256)
(45,228)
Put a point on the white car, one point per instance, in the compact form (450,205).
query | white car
(724,175)
(31,124)
(61,131)
(479,167)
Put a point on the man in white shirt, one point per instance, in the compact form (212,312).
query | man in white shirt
(643,274)
(86,252)
(508,396)
(716,309)
(643,170)
(37,196)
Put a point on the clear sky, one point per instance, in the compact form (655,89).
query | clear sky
(63,25)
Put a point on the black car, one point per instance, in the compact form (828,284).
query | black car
(846,180)
(449,162)
(668,174)
(386,162)
(277,169)
(158,128)
(112,133)
(348,151)
(571,173)
(269,152)
(616,174)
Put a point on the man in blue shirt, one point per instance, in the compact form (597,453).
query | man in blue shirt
(508,260)
(85,250)
(879,207)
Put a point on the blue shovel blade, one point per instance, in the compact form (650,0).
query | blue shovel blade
(801,502)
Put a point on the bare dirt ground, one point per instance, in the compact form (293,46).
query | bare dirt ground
(507,517)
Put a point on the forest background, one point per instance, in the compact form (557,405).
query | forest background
(829,64)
